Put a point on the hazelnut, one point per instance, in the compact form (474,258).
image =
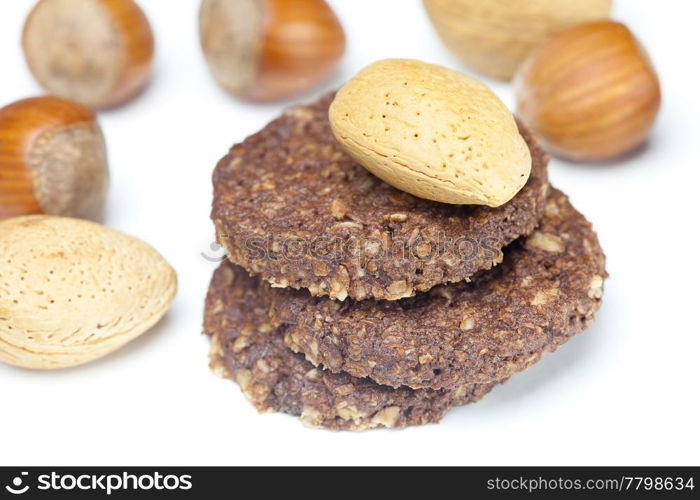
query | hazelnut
(96,52)
(493,37)
(269,49)
(590,92)
(52,159)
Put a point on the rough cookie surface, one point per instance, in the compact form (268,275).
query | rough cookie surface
(547,289)
(292,207)
(248,348)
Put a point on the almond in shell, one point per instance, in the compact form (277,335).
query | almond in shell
(72,291)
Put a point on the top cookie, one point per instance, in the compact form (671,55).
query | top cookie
(292,207)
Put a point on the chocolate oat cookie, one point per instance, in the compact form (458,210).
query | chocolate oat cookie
(546,290)
(292,207)
(248,348)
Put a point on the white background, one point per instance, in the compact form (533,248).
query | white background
(625,392)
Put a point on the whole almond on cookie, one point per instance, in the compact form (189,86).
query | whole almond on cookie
(72,291)
(432,132)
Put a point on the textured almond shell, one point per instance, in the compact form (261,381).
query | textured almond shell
(72,291)
(432,132)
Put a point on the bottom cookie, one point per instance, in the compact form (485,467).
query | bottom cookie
(247,348)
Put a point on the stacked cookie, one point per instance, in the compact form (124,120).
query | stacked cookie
(355,305)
